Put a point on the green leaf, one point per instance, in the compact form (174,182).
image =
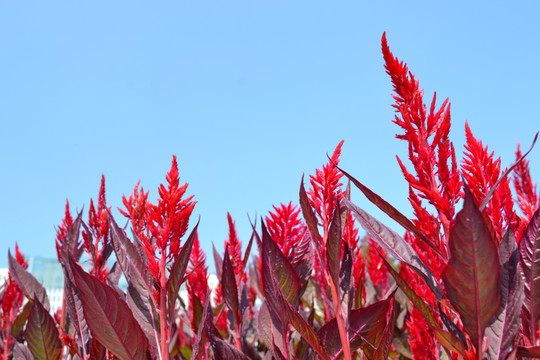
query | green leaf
(472,276)
(41,334)
(109,317)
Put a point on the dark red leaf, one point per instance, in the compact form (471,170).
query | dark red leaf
(126,250)
(41,334)
(218,261)
(529,251)
(20,320)
(333,246)
(279,307)
(178,270)
(366,325)
(307,211)
(531,351)
(75,311)
(418,302)
(472,276)
(504,330)
(200,339)
(449,341)
(223,350)
(392,212)
(109,317)
(21,352)
(281,268)
(381,353)
(28,284)
(228,285)
(395,245)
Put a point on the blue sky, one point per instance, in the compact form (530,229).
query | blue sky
(248,95)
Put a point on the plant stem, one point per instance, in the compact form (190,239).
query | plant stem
(341,324)
(163,308)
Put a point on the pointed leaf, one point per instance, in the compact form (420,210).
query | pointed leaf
(223,350)
(472,276)
(228,285)
(28,284)
(391,211)
(218,261)
(345,283)
(141,305)
(366,324)
(449,341)
(279,307)
(178,269)
(395,245)
(418,302)
(381,353)
(109,317)
(333,246)
(126,250)
(21,352)
(531,351)
(281,268)
(20,320)
(200,339)
(529,251)
(504,330)
(41,334)
(307,211)
(75,311)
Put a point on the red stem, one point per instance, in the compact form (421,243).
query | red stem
(163,308)
(341,324)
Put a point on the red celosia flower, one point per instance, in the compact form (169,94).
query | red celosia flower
(376,268)
(431,153)
(234,246)
(96,234)
(197,282)
(527,196)
(10,305)
(62,230)
(325,188)
(481,172)
(160,227)
(285,227)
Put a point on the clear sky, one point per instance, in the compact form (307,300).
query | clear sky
(248,94)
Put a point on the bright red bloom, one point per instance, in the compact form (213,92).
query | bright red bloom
(526,190)
(62,230)
(10,306)
(325,189)
(431,153)
(160,227)
(96,234)
(197,282)
(234,246)
(376,268)
(481,172)
(286,227)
